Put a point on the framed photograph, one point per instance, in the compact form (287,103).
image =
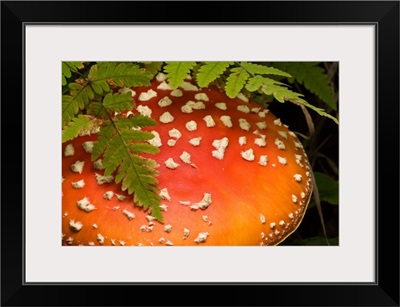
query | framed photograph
(190,147)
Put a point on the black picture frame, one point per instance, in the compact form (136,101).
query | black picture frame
(383,14)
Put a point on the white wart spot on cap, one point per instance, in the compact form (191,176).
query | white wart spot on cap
(145,96)
(185,157)
(205,202)
(242,140)
(263,160)
(191,125)
(195,141)
(187,86)
(262,218)
(280,144)
(242,97)
(128,214)
(156,140)
(171,164)
(76,226)
(201,96)
(260,142)
(209,121)
(248,155)
(263,113)
(283,134)
(186,233)
(78,184)
(226,120)
(297,177)
(165,102)
(144,110)
(69,150)
(164,194)
(262,125)
(77,167)
(282,160)
(103,179)
(176,93)
(244,124)
(175,133)
(100,238)
(161,77)
(164,86)
(108,195)
(277,122)
(166,118)
(85,205)
(201,237)
(98,164)
(221,105)
(220,146)
(88,146)
(168,228)
(243,108)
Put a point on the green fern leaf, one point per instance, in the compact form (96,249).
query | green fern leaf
(76,126)
(118,102)
(76,101)
(210,71)
(236,81)
(104,136)
(153,67)
(138,176)
(121,147)
(281,93)
(122,74)
(256,69)
(135,121)
(177,72)
(67,68)
(313,77)
(97,109)
(143,148)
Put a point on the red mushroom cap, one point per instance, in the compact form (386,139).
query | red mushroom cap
(230,173)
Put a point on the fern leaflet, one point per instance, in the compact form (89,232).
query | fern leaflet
(313,77)
(281,93)
(67,68)
(80,94)
(121,147)
(211,71)
(256,69)
(120,74)
(118,102)
(76,127)
(236,81)
(177,72)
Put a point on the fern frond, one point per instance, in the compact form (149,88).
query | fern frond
(134,121)
(138,176)
(153,67)
(210,71)
(236,81)
(76,127)
(313,77)
(104,136)
(67,68)
(256,69)
(281,93)
(118,102)
(177,71)
(121,147)
(122,74)
(80,94)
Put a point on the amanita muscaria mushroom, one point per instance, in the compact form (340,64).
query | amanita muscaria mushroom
(230,173)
